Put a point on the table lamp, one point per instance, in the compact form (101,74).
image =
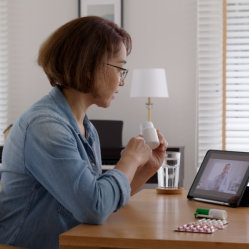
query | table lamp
(149,83)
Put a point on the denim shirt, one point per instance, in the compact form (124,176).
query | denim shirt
(51,177)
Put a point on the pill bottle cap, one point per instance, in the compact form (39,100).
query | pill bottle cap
(146,124)
(202,211)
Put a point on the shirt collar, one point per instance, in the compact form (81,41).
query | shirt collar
(64,109)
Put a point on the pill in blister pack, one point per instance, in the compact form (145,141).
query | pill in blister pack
(196,228)
(219,224)
(202,226)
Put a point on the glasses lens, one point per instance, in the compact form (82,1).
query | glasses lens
(123,74)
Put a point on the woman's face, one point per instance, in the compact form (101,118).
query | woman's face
(108,79)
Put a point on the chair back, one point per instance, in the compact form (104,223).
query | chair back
(110,132)
(110,136)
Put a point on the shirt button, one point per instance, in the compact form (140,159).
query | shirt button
(93,164)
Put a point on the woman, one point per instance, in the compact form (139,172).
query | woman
(51,173)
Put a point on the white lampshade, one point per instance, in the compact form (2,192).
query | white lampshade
(149,82)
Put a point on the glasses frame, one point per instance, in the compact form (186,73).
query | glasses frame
(123,71)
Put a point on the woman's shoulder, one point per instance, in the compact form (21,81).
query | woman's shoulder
(47,109)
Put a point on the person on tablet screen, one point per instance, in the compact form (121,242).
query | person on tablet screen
(221,181)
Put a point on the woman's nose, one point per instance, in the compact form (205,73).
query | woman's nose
(121,83)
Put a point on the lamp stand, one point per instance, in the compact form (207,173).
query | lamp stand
(149,107)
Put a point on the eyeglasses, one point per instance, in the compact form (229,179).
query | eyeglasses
(123,71)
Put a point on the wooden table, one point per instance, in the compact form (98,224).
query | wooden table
(148,222)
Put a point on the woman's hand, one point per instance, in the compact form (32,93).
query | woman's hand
(158,154)
(151,166)
(136,154)
(137,151)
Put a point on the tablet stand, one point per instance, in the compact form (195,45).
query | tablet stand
(245,199)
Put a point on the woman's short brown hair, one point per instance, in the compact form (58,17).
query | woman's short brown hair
(73,53)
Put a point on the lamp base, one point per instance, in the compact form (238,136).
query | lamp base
(169,191)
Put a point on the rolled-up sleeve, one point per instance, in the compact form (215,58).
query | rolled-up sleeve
(122,182)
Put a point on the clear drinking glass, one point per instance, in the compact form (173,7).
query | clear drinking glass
(168,174)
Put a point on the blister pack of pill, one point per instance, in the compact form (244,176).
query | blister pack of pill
(202,226)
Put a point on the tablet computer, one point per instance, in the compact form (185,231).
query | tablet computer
(222,178)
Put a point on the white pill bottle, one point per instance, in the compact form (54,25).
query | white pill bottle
(150,135)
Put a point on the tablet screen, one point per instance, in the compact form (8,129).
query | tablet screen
(222,177)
